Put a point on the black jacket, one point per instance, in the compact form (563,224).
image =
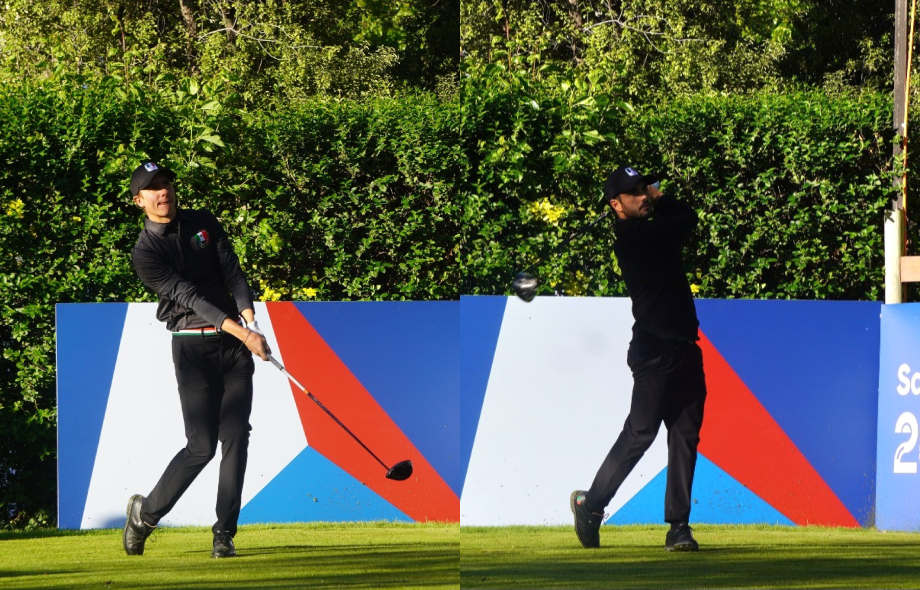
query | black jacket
(649,254)
(192,267)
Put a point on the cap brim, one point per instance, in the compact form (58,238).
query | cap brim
(143,181)
(616,184)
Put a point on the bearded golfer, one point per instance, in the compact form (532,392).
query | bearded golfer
(666,363)
(185,257)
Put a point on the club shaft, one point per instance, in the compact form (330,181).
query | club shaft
(325,409)
(566,241)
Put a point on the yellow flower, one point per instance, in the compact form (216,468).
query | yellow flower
(309,291)
(694,289)
(546,211)
(577,286)
(270,294)
(15,208)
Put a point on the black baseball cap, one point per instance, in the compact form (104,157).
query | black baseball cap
(144,173)
(623,180)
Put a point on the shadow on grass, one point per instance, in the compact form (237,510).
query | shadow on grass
(643,567)
(22,574)
(47,534)
(293,556)
(730,557)
(387,562)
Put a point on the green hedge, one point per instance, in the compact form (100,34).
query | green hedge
(412,198)
(362,201)
(791,188)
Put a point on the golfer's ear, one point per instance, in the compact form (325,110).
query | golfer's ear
(616,204)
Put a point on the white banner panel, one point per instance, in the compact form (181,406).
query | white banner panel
(557,398)
(143,428)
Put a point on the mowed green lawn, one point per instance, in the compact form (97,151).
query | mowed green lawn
(729,557)
(351,555)
(389,555)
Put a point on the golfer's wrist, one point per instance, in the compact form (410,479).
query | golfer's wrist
(233,328)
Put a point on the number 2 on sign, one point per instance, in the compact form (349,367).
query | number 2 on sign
(907,424)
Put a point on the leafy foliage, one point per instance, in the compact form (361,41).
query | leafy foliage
(272,50)
(667,47)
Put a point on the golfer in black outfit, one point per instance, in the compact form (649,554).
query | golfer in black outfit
(186,258)
(666,363)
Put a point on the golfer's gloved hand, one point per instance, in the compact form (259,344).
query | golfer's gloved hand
(258,345)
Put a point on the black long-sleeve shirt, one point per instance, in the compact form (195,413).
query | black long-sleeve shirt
(192,267)
(649,254)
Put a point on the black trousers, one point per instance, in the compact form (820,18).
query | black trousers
(215,388)
(670,387)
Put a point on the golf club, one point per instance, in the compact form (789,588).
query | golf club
(525,284)
(399,472)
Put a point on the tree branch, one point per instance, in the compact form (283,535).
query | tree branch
(259,40)
(647,33)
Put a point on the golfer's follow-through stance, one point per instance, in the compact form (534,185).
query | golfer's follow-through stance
(666,363)
(186,258)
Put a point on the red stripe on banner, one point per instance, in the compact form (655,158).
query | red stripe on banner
(423,497)
(742,438)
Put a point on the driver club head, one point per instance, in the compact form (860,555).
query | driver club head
(401,471)
(525,286)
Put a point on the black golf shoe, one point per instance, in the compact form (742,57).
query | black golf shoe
(136,530)
(680,538)
(587,523)
(223,545)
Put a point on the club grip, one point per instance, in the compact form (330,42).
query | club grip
(288,375)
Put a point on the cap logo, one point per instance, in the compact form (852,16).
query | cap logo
(631,172)
(150,167)
(201,239)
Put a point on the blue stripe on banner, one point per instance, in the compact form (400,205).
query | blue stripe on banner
(312,488)
(426,363)
(814,367)
(718,498)
(84,374)
(646,506)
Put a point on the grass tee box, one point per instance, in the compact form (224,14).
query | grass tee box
(633,556)
(365,555)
